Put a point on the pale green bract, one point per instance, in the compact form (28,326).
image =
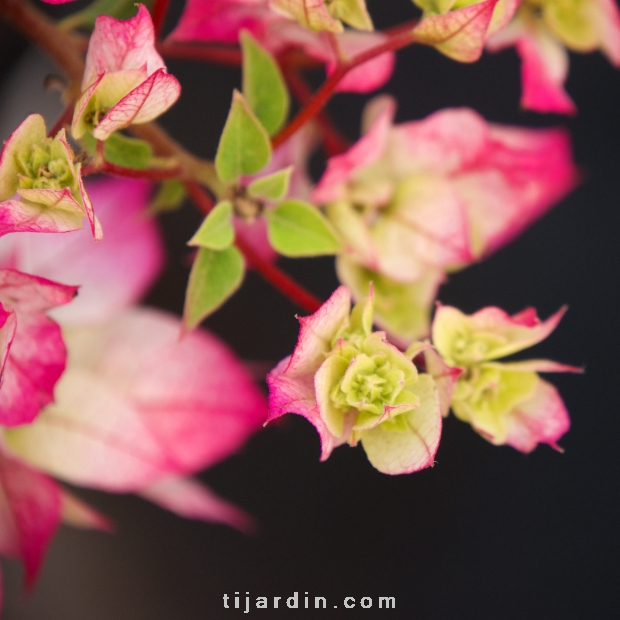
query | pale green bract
(215,276)
(297,228)
(264,87)
(216,231)
(244,146)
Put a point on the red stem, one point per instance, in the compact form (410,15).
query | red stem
(334,142)
(158,15)
(281,281)
(225,55)
(149,174)
(323,95)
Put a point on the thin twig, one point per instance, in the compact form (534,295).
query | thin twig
(323,95)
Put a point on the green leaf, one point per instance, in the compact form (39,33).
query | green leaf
(216,231)
(263,85)
(244,147)
(121,150)
(296,228)
(169,197)
(271,187)
(121,9)
(215,276)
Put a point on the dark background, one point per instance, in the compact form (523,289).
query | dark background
(488,533)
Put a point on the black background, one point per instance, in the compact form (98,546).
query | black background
(487,533)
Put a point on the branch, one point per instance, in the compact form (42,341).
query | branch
(225,55)
(37,27)
(334,142)
(323,95)
(149,174)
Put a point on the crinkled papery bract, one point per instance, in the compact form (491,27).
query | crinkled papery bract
(32,350)
(506,402)
(320,15)
(542,32)
(112,273)
(221,21)
(415,199)
(354,386)
(41,188)
(125,79)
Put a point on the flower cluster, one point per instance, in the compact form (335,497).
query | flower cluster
(98,391)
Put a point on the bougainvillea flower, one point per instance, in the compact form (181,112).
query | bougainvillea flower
(353,385)
(221,21)
(125,79)
(507,403)
(320,15)
(441,192)
(543,31)
(41,188)
(137,405)
(32,352)
(460,33)
(112,273)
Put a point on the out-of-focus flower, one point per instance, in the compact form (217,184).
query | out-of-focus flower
(353,385)
(543,31)
(416,199)
(48,184)
(112,274)
(136,410)
(125,79)
(507,402)
(328,15)
(222,21)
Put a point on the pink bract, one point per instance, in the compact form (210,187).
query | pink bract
(472,187)
(221,21)
(126,74)
(33,351)
(291,382)
(136,405)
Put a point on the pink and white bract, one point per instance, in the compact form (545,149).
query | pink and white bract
(125,80)
(506,402)
(353,385)
(49,187)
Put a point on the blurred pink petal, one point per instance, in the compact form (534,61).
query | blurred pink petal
(190,498)
(544,66)
(29,514)
(77,513)
(113,273)
(34,353)
(136,404)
